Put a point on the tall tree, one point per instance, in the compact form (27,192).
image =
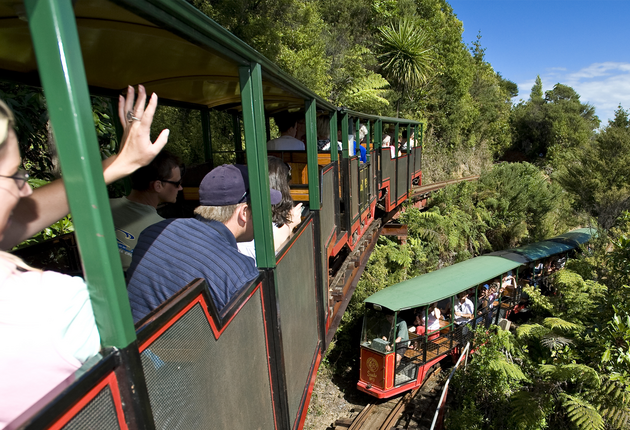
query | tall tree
(549,127)
(597,172)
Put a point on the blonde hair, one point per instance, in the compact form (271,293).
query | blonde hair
(18,262)
(221,214)
(7,122)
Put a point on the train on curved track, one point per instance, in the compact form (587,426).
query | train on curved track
(393,361)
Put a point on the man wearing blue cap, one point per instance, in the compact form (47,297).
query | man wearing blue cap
(172,253)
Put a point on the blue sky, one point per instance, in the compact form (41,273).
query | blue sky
(580,43)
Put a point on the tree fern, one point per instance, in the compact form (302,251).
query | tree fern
(560,324)
(581,413)
(526,411)
(576,373)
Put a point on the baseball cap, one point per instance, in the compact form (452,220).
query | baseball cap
(229,185)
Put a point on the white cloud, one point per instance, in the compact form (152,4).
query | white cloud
(604,85)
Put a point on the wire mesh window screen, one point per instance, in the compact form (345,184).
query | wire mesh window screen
(98,414)
(197,382)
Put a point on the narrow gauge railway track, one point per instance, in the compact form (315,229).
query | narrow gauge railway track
(414,410)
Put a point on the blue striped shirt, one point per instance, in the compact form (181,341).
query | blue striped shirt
(172,253)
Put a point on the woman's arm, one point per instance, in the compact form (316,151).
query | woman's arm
(48,204)
(280,235)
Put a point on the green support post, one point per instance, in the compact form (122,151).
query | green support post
(310,116)
(207,136)
(334,150)
(396,133)
(250,78)
(56,43)
(367,141)
(344,135)
(378,134)
(357,143)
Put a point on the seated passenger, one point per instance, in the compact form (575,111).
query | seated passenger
(433,325)
(47,327)
(172,253)
(288,125)
(285,216)
(151,186)
(464,309)
(402,337)
(387,144)
(323,134)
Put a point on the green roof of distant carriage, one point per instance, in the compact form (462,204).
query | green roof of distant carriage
(555,245)
(576,237)
(440,284)
(446,282)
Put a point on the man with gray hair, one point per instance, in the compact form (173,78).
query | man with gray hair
(173,252)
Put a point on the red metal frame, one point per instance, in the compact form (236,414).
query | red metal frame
(77,407)
(371,360)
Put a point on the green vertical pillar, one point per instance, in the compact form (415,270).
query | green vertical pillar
(357,140)
(344,135)
(367,140)
(396,134)
(56,43)
(334,150)
(378,134)
(250,78)
(310,116)
(207,136)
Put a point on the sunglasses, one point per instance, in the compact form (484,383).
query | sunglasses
(174,183)
(20,178)
(182,170)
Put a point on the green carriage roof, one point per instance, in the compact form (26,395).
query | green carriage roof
(440,284)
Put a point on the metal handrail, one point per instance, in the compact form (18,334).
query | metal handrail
(464,354)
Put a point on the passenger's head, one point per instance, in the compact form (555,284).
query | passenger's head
(224,197)
(323,127)
(363,131)
(285,121)
(13,185)
(162,176)
(279,175)
(387,140)
(462,296)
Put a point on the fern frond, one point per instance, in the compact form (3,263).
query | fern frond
(509,370)
(554,341)
(526,412)
(560,324)
(581,413)
(578,373)
(528,331)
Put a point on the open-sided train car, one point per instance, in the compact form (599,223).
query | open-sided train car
(186,365)
(395,358)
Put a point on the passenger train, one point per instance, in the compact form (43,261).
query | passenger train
(186,365)
(392,362)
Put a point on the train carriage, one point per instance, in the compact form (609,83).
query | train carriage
(187,364)
(393,362)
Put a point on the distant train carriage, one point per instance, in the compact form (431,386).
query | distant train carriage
(411,326)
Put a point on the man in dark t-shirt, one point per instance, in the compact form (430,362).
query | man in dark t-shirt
(172,253)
